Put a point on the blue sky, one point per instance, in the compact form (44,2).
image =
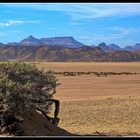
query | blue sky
(89,23)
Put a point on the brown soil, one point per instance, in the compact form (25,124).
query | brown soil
(35,124)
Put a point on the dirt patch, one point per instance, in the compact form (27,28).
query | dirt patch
(35,124)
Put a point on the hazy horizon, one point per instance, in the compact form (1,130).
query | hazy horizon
(88,23)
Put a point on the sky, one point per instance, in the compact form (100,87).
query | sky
(88,23)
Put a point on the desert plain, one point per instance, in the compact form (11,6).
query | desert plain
(92,105)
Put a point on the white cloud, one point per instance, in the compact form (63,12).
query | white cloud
(17,22)
(88,10)
(122,31)
(109,34)
(94,11)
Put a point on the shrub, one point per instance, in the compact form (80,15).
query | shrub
(24,87)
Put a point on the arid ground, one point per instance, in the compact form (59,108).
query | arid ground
(91,104)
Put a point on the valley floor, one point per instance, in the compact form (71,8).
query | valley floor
(92,105)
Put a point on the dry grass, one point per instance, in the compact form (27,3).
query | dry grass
(105,104)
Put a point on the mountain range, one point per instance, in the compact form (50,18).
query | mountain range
(66,49)
(54,41)
(69,42)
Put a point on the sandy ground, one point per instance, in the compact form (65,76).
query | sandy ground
(104,104)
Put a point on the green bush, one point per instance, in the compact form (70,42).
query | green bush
(24,87)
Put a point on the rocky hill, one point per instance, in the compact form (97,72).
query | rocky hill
(63,49)
(64,54)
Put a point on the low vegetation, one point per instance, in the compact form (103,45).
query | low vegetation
(22,88)
(95,73)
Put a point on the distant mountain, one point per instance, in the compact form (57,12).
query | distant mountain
(63,49)
(1,44)
(108,48)
(62,41)
(128,48)
(136,47)
(69,42)
(31,41)
(114,47)
(12,43)
(104,47)
(93,46)
(54,41)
